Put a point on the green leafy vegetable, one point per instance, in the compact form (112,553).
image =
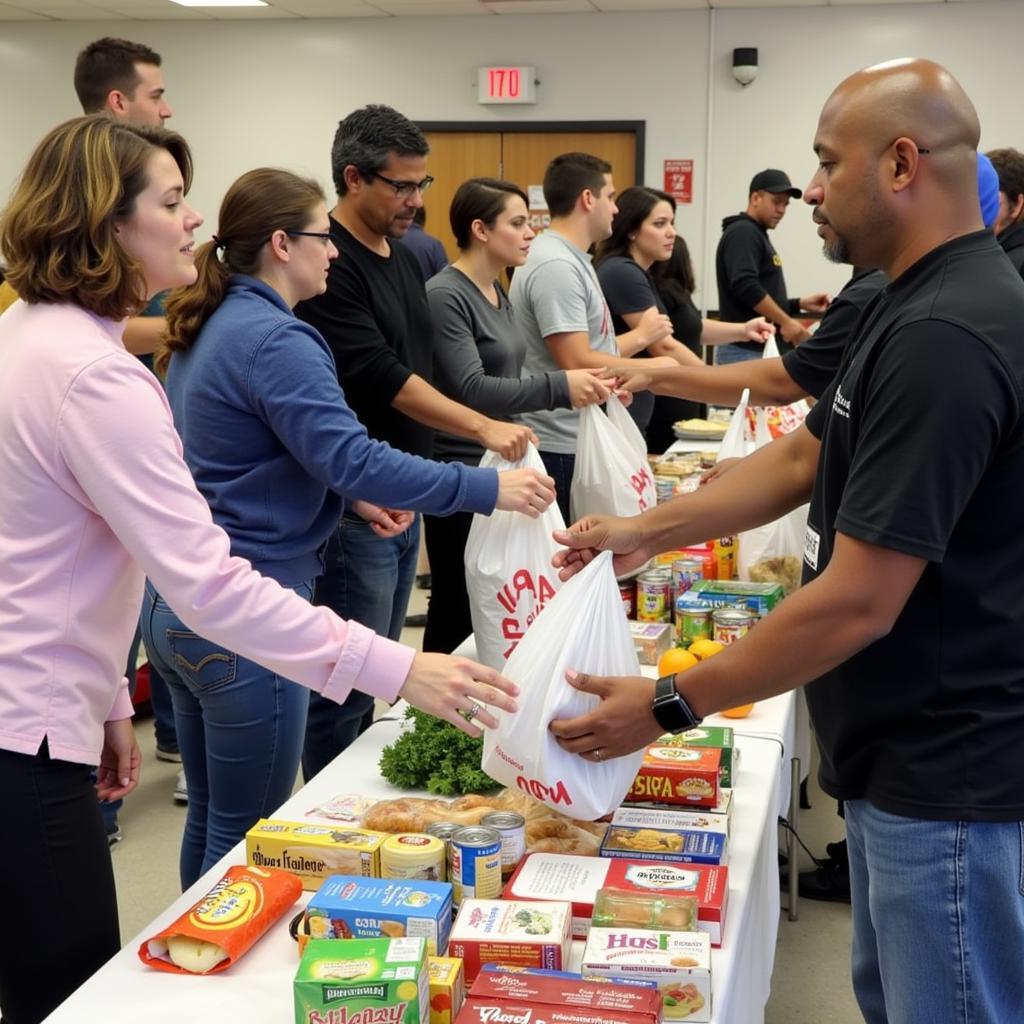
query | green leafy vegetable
(435,756)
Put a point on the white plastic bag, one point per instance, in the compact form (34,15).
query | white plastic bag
(584,629)
(782,419)
(612,475)
(773,553)
(509,576)
(738,441)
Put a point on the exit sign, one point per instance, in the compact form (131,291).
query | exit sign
(507,84)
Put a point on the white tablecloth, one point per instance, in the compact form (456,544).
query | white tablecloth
(257,990)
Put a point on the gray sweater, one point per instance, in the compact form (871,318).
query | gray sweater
(478,358)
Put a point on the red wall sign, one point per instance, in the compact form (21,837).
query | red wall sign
(679,180)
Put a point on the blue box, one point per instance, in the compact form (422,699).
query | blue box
(676,846)
(354,907)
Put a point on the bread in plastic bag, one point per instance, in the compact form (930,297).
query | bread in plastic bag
(584,629)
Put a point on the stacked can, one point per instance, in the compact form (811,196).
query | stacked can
(512,829)
(627,591)
(654,595)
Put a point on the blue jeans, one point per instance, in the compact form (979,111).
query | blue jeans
(938,918)
(560,466)
(734,354)
(240,730)
(369,579)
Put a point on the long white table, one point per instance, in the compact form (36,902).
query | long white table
(258,990)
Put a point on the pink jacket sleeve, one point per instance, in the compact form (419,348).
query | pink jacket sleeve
(117,439)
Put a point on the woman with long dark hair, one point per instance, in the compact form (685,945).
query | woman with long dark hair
(275,450)
(479,354)
(643,234)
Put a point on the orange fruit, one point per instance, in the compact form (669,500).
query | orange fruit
(739,712)
(704,648)
(674,660)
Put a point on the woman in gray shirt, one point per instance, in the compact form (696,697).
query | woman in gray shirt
(478,358)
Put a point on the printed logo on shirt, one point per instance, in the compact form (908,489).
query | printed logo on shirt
(812,544)
(776,260)
(840,403)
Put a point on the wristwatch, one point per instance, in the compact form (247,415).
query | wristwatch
(670,710)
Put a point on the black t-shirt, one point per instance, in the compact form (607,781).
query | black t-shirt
(814,363)
(922,452)
(1012,241)
(748,268)
(375,317)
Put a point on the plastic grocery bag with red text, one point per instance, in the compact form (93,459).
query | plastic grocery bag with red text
(509,576)
(584,629)
(612,475)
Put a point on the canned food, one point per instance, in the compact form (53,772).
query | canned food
(665,488)
(474,864)
(654,596)
(729,624)
(692,624)
(686,572)
(443,830)
(413,855)
(627,591)
(512,828)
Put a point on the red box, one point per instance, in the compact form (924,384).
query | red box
(678,775)
(540,876)
(554,1000)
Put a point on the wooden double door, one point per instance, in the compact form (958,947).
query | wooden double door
(518,156)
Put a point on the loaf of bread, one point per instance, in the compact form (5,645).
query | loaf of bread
(546,830)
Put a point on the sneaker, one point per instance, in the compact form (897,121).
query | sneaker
(180,790)
(415,621)
(172,754)
(114,833)
(829,883)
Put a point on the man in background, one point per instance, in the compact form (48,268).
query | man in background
(1009,225)
(749,270)
(427,249)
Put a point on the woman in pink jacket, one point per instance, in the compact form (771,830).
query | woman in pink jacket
(95,497)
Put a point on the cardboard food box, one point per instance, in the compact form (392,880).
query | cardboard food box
(680,962)
(362,980)
(718,736)
(544,972)
(352,907)
(650,640)
(529,934)
(673,819)
(547,876)
(663,845)
(313,852)
(447,988)
(572,999)
(678,775)
(760,598)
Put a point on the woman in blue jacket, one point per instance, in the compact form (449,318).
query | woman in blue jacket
(275,450)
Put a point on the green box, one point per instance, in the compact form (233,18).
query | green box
(363,981)
(760,598)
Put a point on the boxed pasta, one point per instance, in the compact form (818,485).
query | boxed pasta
(528,934)
(352,907)
(362,980)
(313,852)
(447,988)
(663,845)
(680,962)
(678,775)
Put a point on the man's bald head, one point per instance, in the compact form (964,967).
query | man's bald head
(904,136)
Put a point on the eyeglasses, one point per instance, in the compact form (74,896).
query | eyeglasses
(404,189)
(324,236)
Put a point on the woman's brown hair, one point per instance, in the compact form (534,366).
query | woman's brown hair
(58,232)
(259,203)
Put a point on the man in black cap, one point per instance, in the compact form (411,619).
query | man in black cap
(749,270)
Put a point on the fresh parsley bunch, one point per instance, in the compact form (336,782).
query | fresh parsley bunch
(435,756)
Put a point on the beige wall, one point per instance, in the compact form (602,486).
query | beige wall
(247,93)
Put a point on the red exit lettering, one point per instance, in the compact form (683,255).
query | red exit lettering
(504,83)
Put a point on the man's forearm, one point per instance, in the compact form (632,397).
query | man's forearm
(767,379)
(771,310)
(760,489)
(422,402)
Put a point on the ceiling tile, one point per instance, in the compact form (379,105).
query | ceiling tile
(650,5)
(542,7)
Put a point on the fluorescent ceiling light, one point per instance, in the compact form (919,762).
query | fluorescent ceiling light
(220,3)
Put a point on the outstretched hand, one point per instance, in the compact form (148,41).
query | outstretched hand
(588,537)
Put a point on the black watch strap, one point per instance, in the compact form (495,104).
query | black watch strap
(670,709)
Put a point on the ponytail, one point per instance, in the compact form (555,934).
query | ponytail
(189,308)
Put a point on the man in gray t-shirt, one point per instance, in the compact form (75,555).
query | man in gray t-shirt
(559,304)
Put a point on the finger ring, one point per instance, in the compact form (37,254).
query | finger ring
(597,754)
(474,710)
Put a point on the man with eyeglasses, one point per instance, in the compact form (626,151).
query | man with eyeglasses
(375,317)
